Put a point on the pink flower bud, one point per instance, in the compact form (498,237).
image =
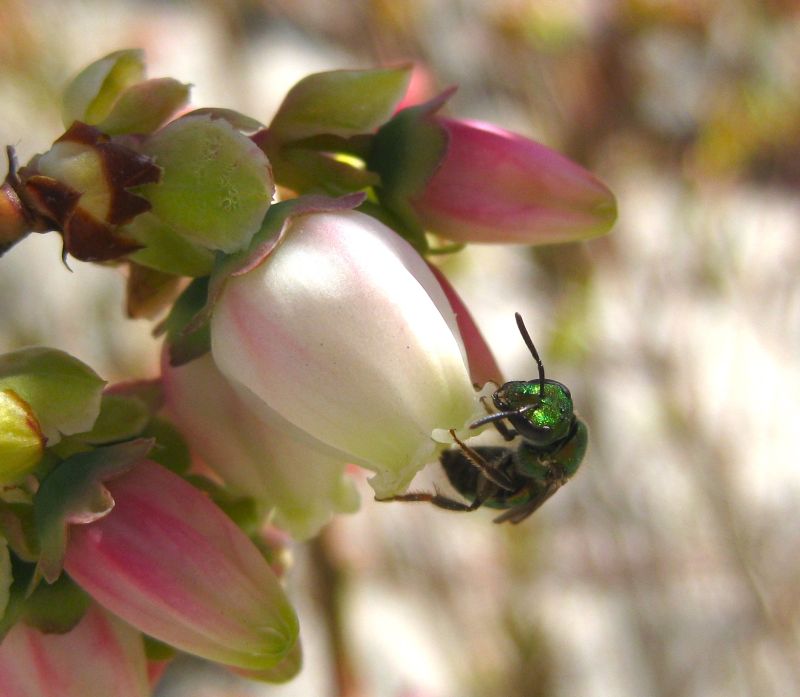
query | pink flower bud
(99,657)
(346,333)
(173,565)
(497,186)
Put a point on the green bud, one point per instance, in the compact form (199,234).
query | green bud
(216,185)
(62,392)
(21,439)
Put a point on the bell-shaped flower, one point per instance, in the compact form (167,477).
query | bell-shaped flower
(346,333)
(498,186)
(100,657)
(173,565)
(298,485)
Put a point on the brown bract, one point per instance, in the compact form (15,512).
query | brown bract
(87,237)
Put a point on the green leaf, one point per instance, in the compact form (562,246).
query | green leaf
(92,94)
(63,392)
(165,250)
(73,493)
(216,185)
(145,106)
(340,102)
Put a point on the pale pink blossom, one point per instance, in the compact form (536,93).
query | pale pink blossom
(100,657)
(297,485)
(346,333)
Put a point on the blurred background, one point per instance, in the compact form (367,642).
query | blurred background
(670,566)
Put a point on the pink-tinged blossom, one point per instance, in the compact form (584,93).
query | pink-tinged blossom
(345,331)
(100,657)
(297,484)
(497,186)
(173,565)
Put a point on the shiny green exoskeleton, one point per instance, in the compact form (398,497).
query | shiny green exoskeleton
(553,443)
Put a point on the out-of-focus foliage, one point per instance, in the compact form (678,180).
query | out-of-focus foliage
(671,564)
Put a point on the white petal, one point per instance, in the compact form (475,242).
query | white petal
(258,454)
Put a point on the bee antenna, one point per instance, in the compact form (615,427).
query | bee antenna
(529,343)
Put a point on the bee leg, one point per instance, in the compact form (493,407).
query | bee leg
(516,514)
(491,471)
(508,434)
(437,500)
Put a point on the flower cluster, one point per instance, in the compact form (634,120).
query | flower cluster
(306,333)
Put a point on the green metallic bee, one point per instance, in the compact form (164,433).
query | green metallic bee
(553,443)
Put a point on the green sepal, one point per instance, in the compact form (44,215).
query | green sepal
(147,391)
(170,449)
(188,338)
(55,608)
(284,671)
(165,250)
(92,93)
(149,292)
(242,510)
(145,106)
(405,153)
(340,102)
(308,171)
(241,122)
(121,418)
(22,575)
(66,447)
(63,392)
(156,650)
(18,529)
(405,226)
(73,493)
(216,184)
